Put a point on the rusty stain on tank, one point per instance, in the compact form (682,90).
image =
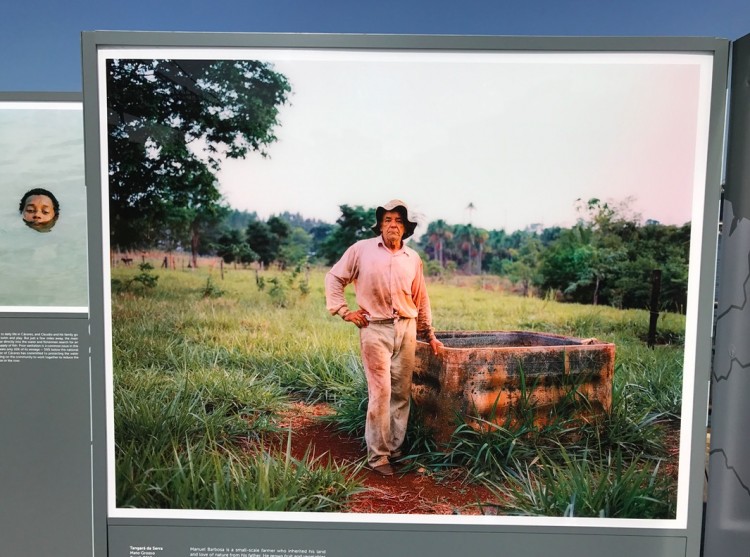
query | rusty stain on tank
(505,377)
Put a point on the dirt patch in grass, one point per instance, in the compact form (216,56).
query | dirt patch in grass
(411,490)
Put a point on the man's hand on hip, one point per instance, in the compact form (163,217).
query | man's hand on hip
(359,318)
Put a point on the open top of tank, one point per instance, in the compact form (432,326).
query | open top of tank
(509,339)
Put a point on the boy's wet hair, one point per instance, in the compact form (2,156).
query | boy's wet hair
(39,191)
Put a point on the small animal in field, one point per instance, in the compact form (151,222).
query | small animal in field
(126,260)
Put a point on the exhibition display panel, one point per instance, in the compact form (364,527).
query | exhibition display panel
(505,134)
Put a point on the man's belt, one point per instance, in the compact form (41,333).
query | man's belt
(383,321)
(388,321)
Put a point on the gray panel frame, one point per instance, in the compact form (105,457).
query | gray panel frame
(39,96)
(627,541)
(45,428)
(728,509)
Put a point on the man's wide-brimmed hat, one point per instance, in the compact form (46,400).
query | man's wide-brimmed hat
(393,205)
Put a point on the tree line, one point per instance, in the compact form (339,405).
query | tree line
(607,257)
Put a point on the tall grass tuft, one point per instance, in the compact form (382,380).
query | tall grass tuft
(612,487)
(200,474)
(351,411)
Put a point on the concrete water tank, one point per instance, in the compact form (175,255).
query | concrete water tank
(503,377)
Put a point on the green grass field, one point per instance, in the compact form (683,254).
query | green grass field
(204,365)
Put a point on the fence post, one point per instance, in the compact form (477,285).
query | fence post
(654,314)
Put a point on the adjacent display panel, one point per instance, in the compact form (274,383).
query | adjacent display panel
(727,527)
(574,167)
(45,413)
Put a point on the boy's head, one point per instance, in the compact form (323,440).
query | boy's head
(39,209)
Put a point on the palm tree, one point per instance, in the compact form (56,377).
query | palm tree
(438,232)
(465,234)
(482,237)
(471,208)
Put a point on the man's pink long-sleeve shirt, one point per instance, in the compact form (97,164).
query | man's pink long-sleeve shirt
(386,284)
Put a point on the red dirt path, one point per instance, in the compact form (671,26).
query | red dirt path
(406,492)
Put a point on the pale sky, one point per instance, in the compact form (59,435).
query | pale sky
(520,136)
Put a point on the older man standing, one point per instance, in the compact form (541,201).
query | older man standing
(393,309)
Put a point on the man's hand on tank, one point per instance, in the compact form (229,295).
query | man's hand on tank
(435,344)
(359,318)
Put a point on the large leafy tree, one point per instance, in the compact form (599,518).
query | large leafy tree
(262,241)
(608,257)
(195,207)
(586,258)
(232,248)
(296,247)
(523,266)
(170,125)
(655,247)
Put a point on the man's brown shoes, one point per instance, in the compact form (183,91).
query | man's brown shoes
(383,469)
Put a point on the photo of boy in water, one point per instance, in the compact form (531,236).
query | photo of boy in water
(39,209)
(43,259)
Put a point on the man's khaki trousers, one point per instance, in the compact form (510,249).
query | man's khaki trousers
(388,355)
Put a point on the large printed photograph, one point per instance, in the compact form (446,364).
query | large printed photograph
(43,208)
(402,284)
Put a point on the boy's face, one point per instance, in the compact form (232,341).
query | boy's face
(39,211)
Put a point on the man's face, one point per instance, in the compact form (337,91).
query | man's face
(392,226)
(39,211)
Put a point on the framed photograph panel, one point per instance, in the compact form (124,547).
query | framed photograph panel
(45,417)
(553,183)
